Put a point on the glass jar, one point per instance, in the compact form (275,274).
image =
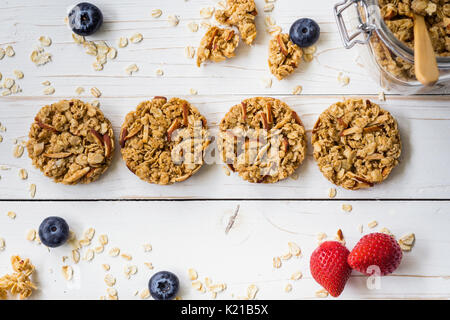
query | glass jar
(389,60)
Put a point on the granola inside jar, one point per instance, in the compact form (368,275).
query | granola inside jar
(385,30)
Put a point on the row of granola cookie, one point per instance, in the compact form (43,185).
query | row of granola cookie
(356,143)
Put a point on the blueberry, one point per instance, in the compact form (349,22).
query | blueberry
(163,285)
(54,232)
(304,32)
(85,19)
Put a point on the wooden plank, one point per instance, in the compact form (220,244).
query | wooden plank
(423,171)
(178,230)
(163,47)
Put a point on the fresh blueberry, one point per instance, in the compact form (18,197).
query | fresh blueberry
(85,19)
(304,32)
(54,232)
(163,285)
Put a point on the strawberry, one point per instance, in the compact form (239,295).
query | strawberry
(376,249)
(328,265)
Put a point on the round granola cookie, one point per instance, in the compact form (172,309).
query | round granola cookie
(163,142)
(71,142)
(356,143)
(262,139)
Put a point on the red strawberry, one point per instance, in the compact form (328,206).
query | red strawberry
(376,249)
(328,265)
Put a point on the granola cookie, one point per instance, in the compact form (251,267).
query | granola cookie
(163,142)
(356,143)
(71,142)
(240,14)
(284,56)
(217,45)
(262,139)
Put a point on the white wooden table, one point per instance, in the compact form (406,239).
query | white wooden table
(185,223)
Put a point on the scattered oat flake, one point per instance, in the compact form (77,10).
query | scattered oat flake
(269,21)
(386,231)
(32,190)
(192,26)
(252,290)
(288,288)
(297,275)
(372,224)
(2,53)
(381,96)
(192,274)
(268,7)
(322,293)
(75,256)
(79,90)
(147,247)
(31,235)
(407,241)
(360,228)
(159,72)
(103,239)
(23,174)
(189,52)
(99,249)
(206,12)
(89,255)
(192,91)
(126,256)
(267,82)
(2,244)
(67,272)
(45,41)
(342,79)
(11,214)
(110,280)
(173,20)
(122,42)
(111,292)
(145,294)
(331,193)
(347,207)
(294,249)
(9,51)
(131,69)
(49,91)
(106,267)
(46,83)
(286,256)
(276,262)
(95,92)
(149,265)
(18,74)
(297,90)
(156,13)
(89,233)
(114,252)
(197,285)
(112,53)
(136,38)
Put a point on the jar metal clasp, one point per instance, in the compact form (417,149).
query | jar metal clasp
(362,28)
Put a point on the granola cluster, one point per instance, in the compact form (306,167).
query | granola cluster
(284,56)
(163,142)
(240,14)
(262,139)
(398,15)
(217,45)
(18,282)
(71,141)
(356,143)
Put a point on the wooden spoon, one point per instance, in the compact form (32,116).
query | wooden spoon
(425,63)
